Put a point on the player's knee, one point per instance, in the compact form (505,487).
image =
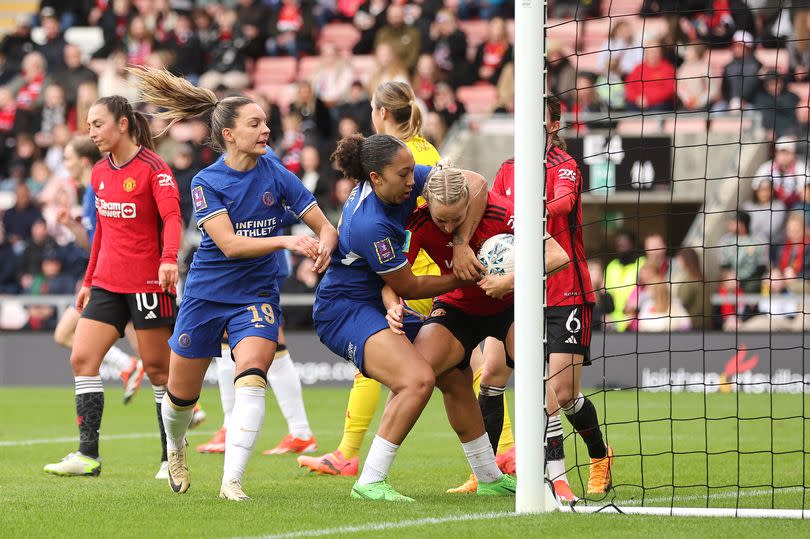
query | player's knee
(422,382)
(83,364)
(157,372)
(565,395)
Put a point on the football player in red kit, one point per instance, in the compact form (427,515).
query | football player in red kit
(462,318)
(132,271)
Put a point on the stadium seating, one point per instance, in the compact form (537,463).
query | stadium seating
(88,38)
(307,66)
(343,35)
(275,70)
(478,99)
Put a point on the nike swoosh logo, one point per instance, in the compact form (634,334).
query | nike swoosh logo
(247,430)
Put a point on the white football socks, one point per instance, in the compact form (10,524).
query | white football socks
(243,431)
(175,423)
(226,371)
(378,462)
(482,459)
(283,379)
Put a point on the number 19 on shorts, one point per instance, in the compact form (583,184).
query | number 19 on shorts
(257,312)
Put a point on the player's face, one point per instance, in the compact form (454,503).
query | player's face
(448,217)
(249,133)
(396,182)
(105,131)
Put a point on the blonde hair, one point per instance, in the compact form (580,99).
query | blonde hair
(182,100)
(446,185)
(399,100)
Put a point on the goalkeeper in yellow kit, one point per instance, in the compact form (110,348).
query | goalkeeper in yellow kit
(394,111)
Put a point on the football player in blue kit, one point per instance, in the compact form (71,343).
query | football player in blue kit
(239,202)
(350,311)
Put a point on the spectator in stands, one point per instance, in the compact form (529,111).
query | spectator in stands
(138,42)
(342,189)
(779,310)
(86,95)
(664,312)
(767,213)
(641,295)
(777,105)
(206,31)
(799,56)
(55,153)
(333,77)
(291,30)
(54,112)
(40,174)
(604,307)
(651,85)
(28,89)
(425,78)
(357,107)
(696,89)
(186,48)
(587,102)
(14,46)
(8,108)
(449,48)
(562,75)
(804,205)
(690,288)
(741,75)
(20,218)
(292,142)
(25,153)
(54,43)
(435,129)
(404,39)
(114,23)
(800,10)
(183,169)
(316,121)
(656,253)
(621,275)
(745,255)
(446,104)
(9,283)
(621,53)
(254,18)
(792,261)
(35,247)
(347,126)
(726,311)
(787,172)
(73,74)
(49,278)
(505,91)
(494,53)
(314,177)
(226,66)
(114,79)
(389,68)
(368,18)
(716,24)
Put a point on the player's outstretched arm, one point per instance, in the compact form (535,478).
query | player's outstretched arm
(233,245)
(327,236)
(409,286)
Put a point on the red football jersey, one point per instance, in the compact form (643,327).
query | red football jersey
(139,225)
(498,219)
(572,285)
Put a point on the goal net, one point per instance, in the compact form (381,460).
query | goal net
(690,126)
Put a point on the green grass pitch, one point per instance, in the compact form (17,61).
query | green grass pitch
(126,501)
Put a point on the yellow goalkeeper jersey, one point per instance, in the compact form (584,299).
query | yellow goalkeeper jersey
(424,154)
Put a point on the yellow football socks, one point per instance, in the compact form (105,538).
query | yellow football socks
(363,399)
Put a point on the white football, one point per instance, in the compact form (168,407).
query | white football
(497,254)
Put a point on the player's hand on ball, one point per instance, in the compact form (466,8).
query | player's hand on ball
(168,276)
(466,265)
(497,286)
(395,317)
(303,245)
(82,297)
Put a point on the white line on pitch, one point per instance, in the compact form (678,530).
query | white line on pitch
(383,526)
(104,438)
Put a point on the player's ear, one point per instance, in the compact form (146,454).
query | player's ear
(376,179)
(227,135)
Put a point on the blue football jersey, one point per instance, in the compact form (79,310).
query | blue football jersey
(256,202)
(89,213)
(371,242)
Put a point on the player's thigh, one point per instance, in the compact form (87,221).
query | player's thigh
(63,334)
(456,382)
(564,374)
(440,348)
(186,376)
(254,352)
(91,341)
(392,360)
(153,345)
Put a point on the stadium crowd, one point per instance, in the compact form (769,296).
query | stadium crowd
(443,48)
